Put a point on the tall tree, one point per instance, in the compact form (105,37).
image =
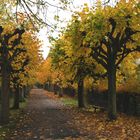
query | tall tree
(6,60)
(109,34)
(114,35)
(72,52)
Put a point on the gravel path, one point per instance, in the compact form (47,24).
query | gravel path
(44,119)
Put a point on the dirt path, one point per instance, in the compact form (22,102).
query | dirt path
(44,119)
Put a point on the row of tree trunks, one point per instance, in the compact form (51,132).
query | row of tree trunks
(19,96)
(16,98)
(59,90)
(111,91)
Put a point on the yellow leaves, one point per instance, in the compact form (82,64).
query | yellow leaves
(32,45)
(88,83)
(82,51)
(131,85)
(89,28)
(44,73)
(8,28)
(86,8)
(29,42)
(129,65)
(95,125)
(129,81)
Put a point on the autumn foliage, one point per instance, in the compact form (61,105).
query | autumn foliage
(99,49)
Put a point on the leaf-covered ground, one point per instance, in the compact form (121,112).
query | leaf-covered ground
(46,117)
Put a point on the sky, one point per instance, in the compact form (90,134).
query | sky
(64,16)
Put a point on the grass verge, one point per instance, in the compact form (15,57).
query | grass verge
(69,101)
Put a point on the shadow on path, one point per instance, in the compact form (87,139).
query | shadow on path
(44,119)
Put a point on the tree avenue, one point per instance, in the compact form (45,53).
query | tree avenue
(103,38)
(71,53)
(15,53)
(6,67)
(120,38)
(19,47)
(100,47)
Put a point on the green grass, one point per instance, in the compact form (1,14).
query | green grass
(14,116)
(69,101)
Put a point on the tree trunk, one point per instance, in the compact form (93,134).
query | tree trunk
(55,89)
(5,94)
(21,93)
(16,99)
(60,92)
(49,86)
(112,111)
(80,93)
(25,91)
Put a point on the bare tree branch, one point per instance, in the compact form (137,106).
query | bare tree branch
(35,16)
